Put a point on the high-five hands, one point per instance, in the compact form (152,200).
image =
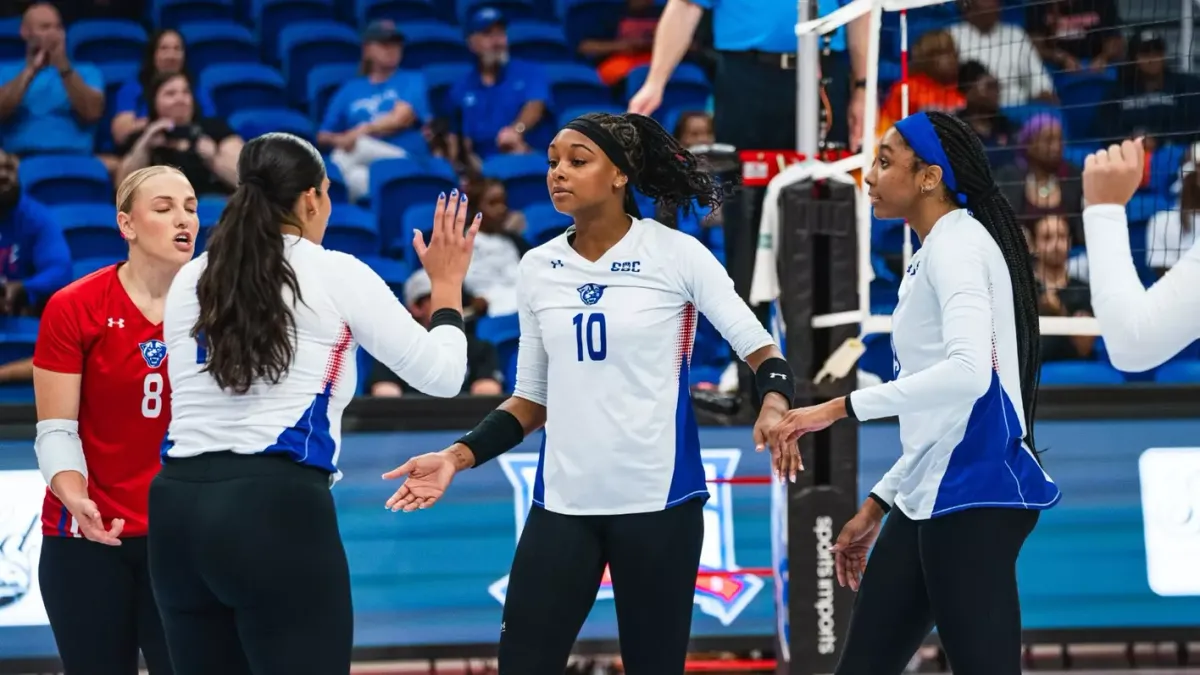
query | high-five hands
(1113,175)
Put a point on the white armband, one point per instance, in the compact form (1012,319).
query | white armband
(58,448)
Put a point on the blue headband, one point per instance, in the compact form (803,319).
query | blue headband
(918,131)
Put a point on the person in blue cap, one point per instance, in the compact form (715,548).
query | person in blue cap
(969,486)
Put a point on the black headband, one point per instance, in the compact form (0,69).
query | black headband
(605,141)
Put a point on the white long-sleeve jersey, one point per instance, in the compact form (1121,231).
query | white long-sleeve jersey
(1142,328)
(605,346)
(957,391)
(345,304)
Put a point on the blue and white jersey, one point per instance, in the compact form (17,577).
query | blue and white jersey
(345,304)
(957,390)
(606,347)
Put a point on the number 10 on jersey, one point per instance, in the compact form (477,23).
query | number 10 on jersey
(590,332)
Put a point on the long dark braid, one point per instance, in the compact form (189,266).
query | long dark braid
(969,162)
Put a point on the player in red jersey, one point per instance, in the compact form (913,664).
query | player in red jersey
(99,377)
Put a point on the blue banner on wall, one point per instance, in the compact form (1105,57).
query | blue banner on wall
(1102,558)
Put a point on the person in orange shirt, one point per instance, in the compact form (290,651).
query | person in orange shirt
(932,81)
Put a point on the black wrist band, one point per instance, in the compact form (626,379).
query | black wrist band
(447,317)
(498,433)
(775,375)
(882,504)
(850,408)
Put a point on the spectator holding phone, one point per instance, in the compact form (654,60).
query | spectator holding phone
(205,149)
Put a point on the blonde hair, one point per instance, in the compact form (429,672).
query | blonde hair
(128,188)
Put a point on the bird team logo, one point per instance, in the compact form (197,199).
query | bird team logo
(21,495)
(722,597)
(154,351)
(590,294)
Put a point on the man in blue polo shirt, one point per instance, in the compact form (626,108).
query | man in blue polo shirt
(501,99)
(47,104)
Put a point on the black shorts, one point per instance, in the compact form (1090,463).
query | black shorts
(556,573)
(100,606)
(249,568)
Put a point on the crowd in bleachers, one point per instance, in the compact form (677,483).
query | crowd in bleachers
(408,98)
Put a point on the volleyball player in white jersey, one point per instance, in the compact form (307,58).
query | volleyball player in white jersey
(246,559)
(607,314)
(1142,327)
(968,488)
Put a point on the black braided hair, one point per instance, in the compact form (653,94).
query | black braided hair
(664,170)
(989,206)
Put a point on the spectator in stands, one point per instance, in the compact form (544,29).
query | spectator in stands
(694,128)
(1059,294)
(1149,97)
(492,276)
(48,104)
(490,197)
(501,98)
(1004,49)
(483,372)
(205,149)
(1040,182)
(628,44)
(1069,34)
(1172,232)
(34,258)
(379,114)
(932,84)
(982,111)
(165,55)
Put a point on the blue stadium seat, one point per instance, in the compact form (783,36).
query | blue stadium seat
(514,10)
(252,122)
(687,88)
(55,180)
(503,332)
(1076,153)
(175,13)
(209,210)
(397,184)
(1090,373)
(544,223)
(243,85)
(310,43)
(583,18)
(1165,163)
(574,85)
(417,218)
(17,337)
(567,114)
(211,43)
(323,82)
(1178,372)
(439,78)
(91,230)
(12,47)
(103,40)
(396,10)
(270,17)
(82,268)
(337,183)
(1145,204)
(524,177)
(1081,93)
(538,41)
(116,74)
(430,42)
(393,272)
(352,230)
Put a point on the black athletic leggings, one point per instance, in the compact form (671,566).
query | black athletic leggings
(958,571)
(100,606)
(556,572)
(248,567)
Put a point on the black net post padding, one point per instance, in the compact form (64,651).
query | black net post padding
(818,274)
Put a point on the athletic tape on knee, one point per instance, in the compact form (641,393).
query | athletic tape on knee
(58,448)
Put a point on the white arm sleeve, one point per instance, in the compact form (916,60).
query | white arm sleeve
(532,361)
(960,280)
(710,289)
(432,361)
(1141,328)
(58,448)
(887,486)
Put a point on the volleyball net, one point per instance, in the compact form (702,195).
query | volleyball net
(1044,83)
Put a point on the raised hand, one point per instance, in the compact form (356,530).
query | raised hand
(1113,175)
(448,254)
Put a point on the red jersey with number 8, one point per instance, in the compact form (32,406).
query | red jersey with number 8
(93,328)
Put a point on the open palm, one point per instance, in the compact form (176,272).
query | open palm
(427,477)
(850,552)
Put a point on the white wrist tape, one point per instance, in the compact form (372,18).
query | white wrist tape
(58,448)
